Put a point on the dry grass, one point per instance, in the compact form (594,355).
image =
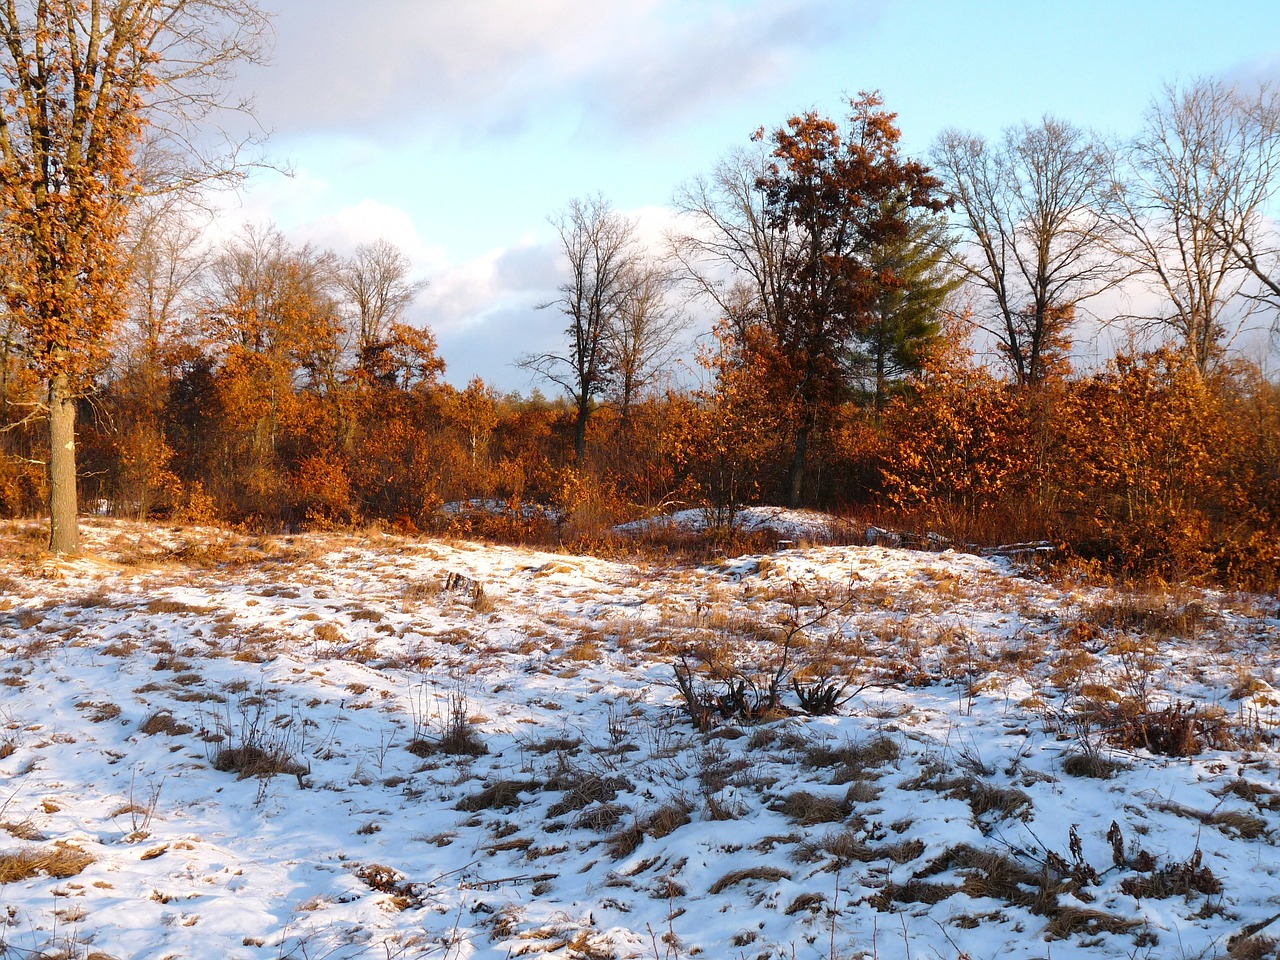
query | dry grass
(1264,797)
(843,848)
(807,809)
(502,795)
(1072,921)
(566,745)
(381,879)
(99,712)
(581,789)
(853,761)
(160,605)
(601,817)
(584,651)
(251,760)
(748,874)
(1240,823)
(983,798)
(913,891)
(163,721)
(328,633)
(1252,948)
(1174,880)
(1157,613)
(662,822)
(58,861)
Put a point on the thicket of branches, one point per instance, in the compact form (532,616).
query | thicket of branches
(895,343)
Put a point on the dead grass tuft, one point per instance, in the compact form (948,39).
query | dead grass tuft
(328,633)
(1238,822)
(502,795)
(251,760)
(662,822)
(566,745)
(1266,798)
(601,817)
(1154,614)
(808,809)
(1174,880)
(173,606)
(583,789)
(1252,948)
(163,722)
(806,903)
(99,712)
(853,761)
(1090,764)
(983,797)
(384,879)
(1072,921)
(913,891)
(1176,730)
(843,848)
(748,874)
(58,861)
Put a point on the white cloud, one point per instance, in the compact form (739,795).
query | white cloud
(492,66)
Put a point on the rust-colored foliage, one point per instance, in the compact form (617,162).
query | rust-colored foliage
(958,447)
(843,195)
(1167,475)
(720,437)
(70,122)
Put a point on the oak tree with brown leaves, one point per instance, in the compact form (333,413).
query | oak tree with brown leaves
(842,194)
(78,82)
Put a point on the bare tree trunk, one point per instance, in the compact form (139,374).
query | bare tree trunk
(580,431)
(64,531)
(795,476)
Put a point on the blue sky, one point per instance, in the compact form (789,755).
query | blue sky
(454,128)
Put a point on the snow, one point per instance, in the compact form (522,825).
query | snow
(614,828)
(807,525)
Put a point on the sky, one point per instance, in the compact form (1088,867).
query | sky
(456,128)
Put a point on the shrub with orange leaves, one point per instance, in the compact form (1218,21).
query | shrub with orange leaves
(957,448)
(1146,441)
(723,436)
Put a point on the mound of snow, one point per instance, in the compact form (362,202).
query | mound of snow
(808,525)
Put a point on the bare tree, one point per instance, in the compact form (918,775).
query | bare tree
(599,245)
(166,260)
(1190,194)
(644,331)
(734,252)
(82,87)
(376,285)
(1251,178)
(1030,210)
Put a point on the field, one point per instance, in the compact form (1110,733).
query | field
(333,745)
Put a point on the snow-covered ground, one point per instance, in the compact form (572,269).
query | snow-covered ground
(945,810)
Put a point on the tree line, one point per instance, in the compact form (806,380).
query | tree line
(895,336)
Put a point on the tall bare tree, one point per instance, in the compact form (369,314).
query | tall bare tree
(376,285)
(1029,210)
(732,250)
(599,245)
(79,84)
(166,259)
(1250,183)
(1190,200)
(644,331)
